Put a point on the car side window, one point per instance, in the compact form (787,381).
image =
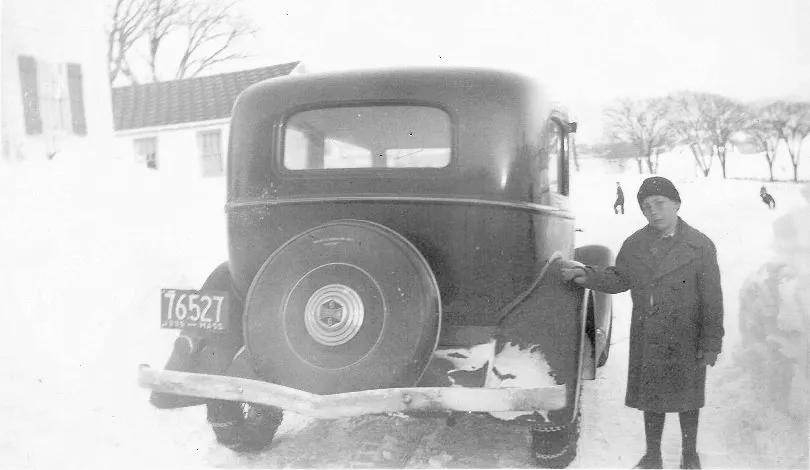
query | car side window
(554,150)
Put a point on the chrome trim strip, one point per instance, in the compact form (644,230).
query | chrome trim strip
(525,206)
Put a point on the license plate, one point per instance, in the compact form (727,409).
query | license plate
(185,308)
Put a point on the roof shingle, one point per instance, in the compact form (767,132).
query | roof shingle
(187,100)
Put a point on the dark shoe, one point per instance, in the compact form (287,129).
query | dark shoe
(690,461)
(650,461)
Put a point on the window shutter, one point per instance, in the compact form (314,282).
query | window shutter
(30,94)
(76,99)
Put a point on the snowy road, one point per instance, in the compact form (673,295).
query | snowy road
(612,435)
(83,261)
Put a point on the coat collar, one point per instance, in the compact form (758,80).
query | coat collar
(681,253)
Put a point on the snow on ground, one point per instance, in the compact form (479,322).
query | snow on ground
(87,243)
(85,247)
(733,216)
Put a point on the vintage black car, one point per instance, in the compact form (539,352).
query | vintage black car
(395,240)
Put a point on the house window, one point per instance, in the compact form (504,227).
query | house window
(54,105)
(52,94)
(146,151)
(30,94)
(76,99)
(209,144)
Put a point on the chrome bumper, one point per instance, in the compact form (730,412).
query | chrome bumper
(354,403)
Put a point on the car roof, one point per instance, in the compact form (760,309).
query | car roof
(450,86)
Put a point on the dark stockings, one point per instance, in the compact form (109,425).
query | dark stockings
(654,428)
(689,429)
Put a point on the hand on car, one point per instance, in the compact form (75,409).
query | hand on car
(573,271)
(707,358)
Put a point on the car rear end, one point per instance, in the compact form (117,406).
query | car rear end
(393,246)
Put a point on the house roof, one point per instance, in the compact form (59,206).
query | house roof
(187,100)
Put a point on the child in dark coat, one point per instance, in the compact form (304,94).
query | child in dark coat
(676,325)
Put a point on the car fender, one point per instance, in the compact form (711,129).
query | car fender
(202,351)
(601,304)
(542,341)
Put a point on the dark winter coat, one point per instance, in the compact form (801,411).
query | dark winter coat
(677,311)
(619,196)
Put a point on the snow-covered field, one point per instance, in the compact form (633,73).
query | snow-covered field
(86,244)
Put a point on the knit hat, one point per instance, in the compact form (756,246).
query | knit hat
(657,186)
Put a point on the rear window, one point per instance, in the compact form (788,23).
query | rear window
(368,137)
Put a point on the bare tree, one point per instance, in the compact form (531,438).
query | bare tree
(722,118)
(689,127)
(212,29)
(128,24)
(204,32)
(761,131)
(164,17)
(792,122)
(616,153)
(643,124)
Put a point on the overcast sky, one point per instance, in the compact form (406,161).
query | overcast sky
(587,51)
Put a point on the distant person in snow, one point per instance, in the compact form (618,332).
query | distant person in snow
(676,328)
(619,199)
(767,198)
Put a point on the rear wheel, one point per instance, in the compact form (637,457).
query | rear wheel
(244,427)
(556,447)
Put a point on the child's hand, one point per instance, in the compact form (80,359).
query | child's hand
(574,271)
(707,358)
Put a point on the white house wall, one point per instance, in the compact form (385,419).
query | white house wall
(178,154)
(55,32)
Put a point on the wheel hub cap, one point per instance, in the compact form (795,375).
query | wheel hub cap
(334,314)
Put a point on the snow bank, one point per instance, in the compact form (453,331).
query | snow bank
(774,357)
(86,245)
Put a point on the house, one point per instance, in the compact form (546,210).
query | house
(53,79)
(181,126)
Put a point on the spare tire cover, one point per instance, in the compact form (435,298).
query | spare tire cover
(349,305)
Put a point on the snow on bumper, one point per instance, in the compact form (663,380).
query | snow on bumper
(513,367)
(354,403)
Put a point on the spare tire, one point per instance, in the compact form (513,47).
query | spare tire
(349,305)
